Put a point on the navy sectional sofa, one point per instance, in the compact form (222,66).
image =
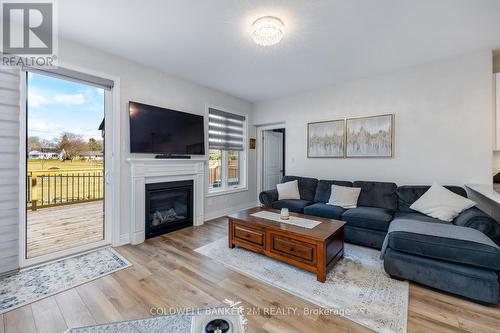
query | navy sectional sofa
(456,264)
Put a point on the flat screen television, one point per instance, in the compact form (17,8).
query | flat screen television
(156,130)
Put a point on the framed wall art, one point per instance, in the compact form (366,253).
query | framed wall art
(326,139)
(371,136)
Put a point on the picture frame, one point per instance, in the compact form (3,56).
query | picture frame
(370,136)
(326,139)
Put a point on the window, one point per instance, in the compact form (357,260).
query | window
(233,169)
(226,160)
(215,168)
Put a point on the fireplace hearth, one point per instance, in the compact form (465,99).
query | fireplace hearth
(169,207)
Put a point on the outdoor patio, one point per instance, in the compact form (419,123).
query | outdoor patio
(63,227)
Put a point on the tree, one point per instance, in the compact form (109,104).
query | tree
(73,145)
(34,143)
(95,145)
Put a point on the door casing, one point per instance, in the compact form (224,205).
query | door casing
(260,151)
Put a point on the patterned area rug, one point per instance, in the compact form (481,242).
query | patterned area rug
(356,287)
(165,324)
(191,321)
(39,282)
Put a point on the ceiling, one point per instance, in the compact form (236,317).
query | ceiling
(326,42)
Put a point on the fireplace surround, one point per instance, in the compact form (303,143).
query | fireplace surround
(145,171)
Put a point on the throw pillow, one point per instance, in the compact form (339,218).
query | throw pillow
(288,190)
(343,196)
(441,203)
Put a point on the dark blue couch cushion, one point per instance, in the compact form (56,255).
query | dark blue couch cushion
(477,219)
(365,237)
(407,195)
(377,194)
(324,210)
(307,186)
(476,283)
(448,249)
(417,217)
(293,205)
(267,198)
(324,189)
(368,217)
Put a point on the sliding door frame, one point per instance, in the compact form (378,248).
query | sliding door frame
(111,173)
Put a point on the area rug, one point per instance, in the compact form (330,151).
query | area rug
(164,324)
(39,282)
(356,287)
(188,321)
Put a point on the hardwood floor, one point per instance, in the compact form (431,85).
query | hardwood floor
(167,273)
(63,227)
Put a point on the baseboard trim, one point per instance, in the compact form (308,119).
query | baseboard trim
(229,210)
(124,239)
(9,273)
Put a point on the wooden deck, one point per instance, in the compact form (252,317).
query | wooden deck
(63,227)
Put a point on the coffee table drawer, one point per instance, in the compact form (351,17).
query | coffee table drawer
(249,235)
(294,248)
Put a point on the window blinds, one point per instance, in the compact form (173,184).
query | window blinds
(225,130)
(71,75)
(9,169)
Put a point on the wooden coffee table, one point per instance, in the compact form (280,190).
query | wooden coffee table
(314,250)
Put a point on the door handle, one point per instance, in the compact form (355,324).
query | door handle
(107,177)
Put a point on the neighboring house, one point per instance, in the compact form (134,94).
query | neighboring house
(62,155)
(45,155)
(94,155)
(101,128)
(35,155)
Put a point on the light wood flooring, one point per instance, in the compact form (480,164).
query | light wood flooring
(167,273)
(63,227)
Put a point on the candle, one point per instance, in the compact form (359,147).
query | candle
(285,214)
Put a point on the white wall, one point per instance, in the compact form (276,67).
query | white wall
(142,84)
(443,123)
(496,64)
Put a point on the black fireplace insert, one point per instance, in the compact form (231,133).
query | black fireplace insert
(169,207)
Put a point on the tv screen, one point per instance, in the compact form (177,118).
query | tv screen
(162,131)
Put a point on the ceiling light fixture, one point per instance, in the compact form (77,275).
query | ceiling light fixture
(267,30)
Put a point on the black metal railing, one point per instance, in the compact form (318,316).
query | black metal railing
(63,188)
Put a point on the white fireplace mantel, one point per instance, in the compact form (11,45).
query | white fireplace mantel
(149,170)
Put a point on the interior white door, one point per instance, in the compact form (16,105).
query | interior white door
(272,165)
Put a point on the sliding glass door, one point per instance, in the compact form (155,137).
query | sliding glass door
(65,166)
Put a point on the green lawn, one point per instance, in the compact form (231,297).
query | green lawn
(41,165)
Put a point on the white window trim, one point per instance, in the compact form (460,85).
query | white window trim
(243,162)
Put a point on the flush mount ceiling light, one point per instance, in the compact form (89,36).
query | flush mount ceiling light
(267,30)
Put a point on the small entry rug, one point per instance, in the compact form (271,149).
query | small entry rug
(356,287)
(39,282)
